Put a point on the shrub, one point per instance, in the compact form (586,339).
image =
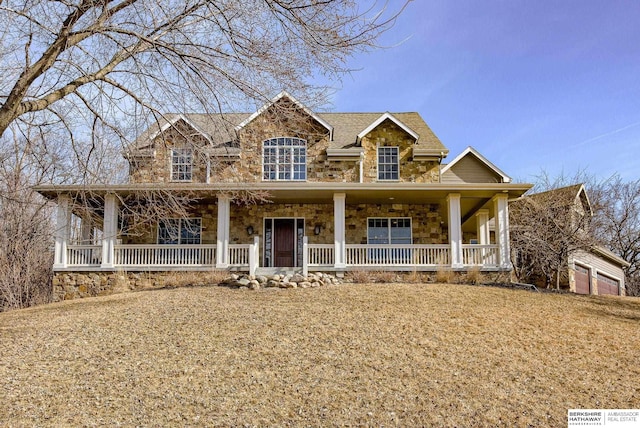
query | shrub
(444,275)
(359,276)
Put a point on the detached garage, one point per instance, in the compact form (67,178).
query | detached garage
(597,272)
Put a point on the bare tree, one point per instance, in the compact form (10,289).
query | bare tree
(25,225)
(618,220)
(546,227)
(103,68)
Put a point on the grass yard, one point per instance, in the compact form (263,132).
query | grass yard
(392,355)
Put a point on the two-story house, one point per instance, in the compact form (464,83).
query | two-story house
(338,192)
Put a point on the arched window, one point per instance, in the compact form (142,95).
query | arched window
(284,158)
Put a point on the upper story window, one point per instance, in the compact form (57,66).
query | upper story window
(284,158)
(388,167)
(181,231)
(181,164)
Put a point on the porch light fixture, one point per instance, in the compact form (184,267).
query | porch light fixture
(317,229)
(250,230)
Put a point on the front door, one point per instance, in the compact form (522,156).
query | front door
(284,242)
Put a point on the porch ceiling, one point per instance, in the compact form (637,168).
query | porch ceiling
(473,196)
(297,192)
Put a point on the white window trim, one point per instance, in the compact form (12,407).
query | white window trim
(180,219)
(306,153)
(171,175)
(389,228)
(378,163)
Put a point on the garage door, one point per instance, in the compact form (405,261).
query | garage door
(583,280)
(607,285)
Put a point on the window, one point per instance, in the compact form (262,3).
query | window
(388,163)
(389,231)
(181,164)
(284,158)
(180,231)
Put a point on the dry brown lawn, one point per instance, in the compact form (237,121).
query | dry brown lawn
(382,355)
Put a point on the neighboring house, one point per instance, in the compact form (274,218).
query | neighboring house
(347,191)
(590,268)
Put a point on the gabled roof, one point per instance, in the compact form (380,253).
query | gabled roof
(172,120)
(392,118)
(220,129)
(285,94)
(573,193)
(470,151)
(347,126)
(609,255)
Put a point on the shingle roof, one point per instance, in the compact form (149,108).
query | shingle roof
(219,128)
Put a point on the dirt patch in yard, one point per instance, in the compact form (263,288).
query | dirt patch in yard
(399,355)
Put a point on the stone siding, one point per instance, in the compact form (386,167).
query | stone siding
(273,123)
(388,134)
(207,212)
(254,215)
(425,221)
(158,168)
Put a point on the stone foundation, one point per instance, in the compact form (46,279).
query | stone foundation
(77,285)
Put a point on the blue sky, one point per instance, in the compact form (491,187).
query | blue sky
(533,85)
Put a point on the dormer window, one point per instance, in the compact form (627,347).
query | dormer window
(388,167)
(284,158)
(181,164)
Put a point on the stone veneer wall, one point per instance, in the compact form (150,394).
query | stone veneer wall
(208,212)
(296,124)
(254,216)
(157,169)
(425,221)
(74,285)
(391,135)
(77,285)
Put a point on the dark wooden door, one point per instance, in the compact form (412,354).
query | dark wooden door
(284,242)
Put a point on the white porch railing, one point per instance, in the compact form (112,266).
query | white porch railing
(397,255)
(239,255)
(248,255)
(84,255)
(321,254)
(165,255)
(479,255)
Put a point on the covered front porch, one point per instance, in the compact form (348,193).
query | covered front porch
(333,228)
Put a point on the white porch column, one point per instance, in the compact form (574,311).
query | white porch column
(63,231)
(339,202)
(254,255)
(224,220)
(86,231)
(501,209)
(305,256)
(455,229)
(482,220)
(110,230)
